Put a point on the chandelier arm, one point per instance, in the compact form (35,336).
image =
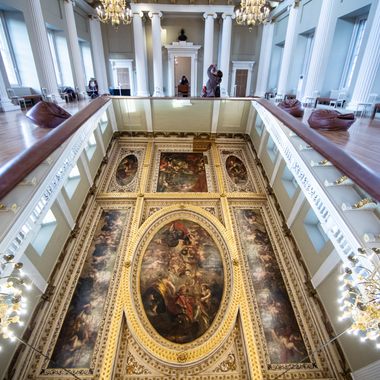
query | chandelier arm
(321,347)
(46,357)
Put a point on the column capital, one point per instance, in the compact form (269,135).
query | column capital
(207,15)
(225,15)
(156,13)
(138,14)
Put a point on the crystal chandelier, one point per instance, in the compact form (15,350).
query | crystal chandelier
(12,303)
(115,11)
(252,12)
(360,299)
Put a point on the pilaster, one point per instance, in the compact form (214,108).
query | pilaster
(72,39)
(138,36)
(208,48)
(157,52)
(98,53)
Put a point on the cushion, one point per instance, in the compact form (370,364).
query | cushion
(331,120)
(47,114)
(292,106)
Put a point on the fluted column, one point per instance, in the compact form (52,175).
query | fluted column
(369,65)
(208,49)
(98,53)
(138,36)
(72,37)
(290,43)
(43,60)
(321,50)
(5,102)
(265,56)
(225,52)
(157,53)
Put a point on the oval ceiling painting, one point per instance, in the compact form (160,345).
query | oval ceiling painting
(236,170)
(127,170)
(181,281)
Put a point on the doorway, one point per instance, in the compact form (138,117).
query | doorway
(241,78)
(182,66)
(122,77)
(241,82)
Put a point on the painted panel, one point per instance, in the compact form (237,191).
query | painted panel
(282,333)
(182,172)
(236,170)
(78,334)
(126,170)
(181,281)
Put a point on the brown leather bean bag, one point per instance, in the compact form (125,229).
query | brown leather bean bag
(47,114)
(292,107)
(331,120)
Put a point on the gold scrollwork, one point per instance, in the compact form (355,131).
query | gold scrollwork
(341,179)
(363,202)
(323,162)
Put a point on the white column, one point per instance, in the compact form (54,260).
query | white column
(225,52)
(369,65)
(290,43)
(265,56)
(5,102)
(208,48)
(157,52)
(321,49)
(138,36)
(43,60)
(72,37)
(98,54)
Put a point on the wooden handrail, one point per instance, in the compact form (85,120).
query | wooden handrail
(357,171)
(19,167)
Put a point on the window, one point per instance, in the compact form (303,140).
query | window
(72,181)
(61,59)
(272,149)
(315,231)
(48,225)
(289,182)
(353,52)
(53,50)
(91,146)
(7,53)
(307,56)
(20,56)
(103,122)
(87,60)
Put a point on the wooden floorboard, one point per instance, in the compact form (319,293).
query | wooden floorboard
(18,133)
(362,140)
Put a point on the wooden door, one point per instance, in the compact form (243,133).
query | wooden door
(241,82)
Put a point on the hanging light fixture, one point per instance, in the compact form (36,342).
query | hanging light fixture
(360,300)
(252,12)
(115,11)
(12,302)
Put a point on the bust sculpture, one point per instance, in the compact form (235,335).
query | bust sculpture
(182,36)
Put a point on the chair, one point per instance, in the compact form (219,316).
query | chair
(340,101)
(16,100)
(311,100)
(361,108)
(81,95)
(279,98)
(183,89)
(45,96)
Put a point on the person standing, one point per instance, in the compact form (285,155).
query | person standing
(212,85)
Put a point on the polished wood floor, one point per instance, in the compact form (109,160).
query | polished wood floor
(18,133)
(362,140)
